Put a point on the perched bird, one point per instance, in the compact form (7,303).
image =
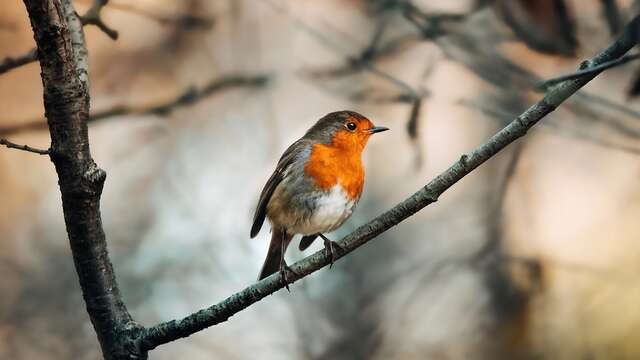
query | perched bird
(315,187)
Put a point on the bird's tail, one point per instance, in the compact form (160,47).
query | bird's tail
(306,241)
(278,245)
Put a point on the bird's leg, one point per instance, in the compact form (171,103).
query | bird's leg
(284,268)
(328,247)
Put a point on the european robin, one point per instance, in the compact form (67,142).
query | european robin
(315,187)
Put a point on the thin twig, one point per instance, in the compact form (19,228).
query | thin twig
(590,70)
(13,62)
(92,16)
(176,329)
(431,26)
(356,61)
(28,148)
(186,21)
(611,12)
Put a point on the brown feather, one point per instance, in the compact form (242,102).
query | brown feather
(306,241)
(283,164)
(275,253)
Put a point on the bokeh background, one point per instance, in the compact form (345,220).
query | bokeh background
(533,256)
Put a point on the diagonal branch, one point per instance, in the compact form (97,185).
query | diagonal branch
(590,70)
(28,148)
(176,329)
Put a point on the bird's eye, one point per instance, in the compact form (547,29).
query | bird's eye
(351,126)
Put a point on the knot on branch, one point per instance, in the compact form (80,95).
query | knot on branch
(464,162)
(432,196)
(585,65)
(94,175)
(129,345)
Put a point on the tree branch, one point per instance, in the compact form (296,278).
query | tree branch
(184,21)
(176,329)
(63,60)
(13,62)
(92,16)
(612,14)
(585,70)
(190,96)
(28,148)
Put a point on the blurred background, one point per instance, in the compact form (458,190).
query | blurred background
(532,256)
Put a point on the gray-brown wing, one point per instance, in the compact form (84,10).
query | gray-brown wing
(287,159)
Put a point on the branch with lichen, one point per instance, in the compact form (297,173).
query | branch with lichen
(176,329)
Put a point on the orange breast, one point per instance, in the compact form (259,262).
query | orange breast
(332,164)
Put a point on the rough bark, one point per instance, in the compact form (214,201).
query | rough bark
(63,60)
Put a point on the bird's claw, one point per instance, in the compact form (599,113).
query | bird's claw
(328,247)
(284,269)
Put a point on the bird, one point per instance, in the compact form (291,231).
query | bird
(315,187)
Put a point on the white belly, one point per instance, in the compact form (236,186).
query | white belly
(331,211)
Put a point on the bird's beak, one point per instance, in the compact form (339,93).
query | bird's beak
(377,129)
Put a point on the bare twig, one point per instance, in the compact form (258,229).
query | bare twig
(412,130)
(175,329)
(92,17)
(431,26)
(611,12)
(185,21)
(14,62)
(188,97)
(590,70)
(360,61)
(28,148)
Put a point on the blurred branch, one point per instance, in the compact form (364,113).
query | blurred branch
(412,130)
(92,16)
(188,97)
(186,21)
(611,12)
(28,148)
(585,70)
(547,26)
(362,61)
(431,26)
(13,62)
(176,329)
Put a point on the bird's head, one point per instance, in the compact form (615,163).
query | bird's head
(344,129)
